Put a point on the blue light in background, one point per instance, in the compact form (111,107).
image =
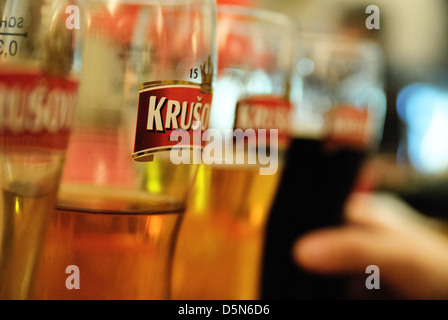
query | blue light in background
(424,109)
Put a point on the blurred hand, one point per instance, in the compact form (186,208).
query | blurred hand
(410,250)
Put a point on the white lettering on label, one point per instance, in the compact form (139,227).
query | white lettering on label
(36,110)
(197,114)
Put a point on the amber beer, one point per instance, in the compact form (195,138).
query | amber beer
(36,115)
(121,238)
(116,219)
(221,239)
(220,243)
(117,253)
(118,237)
(121,198)
(39,73)
(25,208)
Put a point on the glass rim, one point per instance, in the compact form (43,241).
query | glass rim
(370,48)
(336,38)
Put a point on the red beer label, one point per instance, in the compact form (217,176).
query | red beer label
(36,109)
(265,112)
(348,126)
(165,107)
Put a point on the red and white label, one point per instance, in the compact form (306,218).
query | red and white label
(348,126)
(36,109)
(265,112)
(164,108)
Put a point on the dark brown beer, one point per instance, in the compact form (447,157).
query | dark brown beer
(314,187)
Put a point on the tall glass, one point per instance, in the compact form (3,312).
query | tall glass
(220,243)
(39,67)
(338,123)
(149,67)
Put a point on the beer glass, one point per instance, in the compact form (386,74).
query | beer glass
(220,242)
(39,67)
(339,114)
(148,71)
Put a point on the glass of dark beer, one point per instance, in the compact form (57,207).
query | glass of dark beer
(339,114)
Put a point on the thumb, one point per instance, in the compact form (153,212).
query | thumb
(337,250)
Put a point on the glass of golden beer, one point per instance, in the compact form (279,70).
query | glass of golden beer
(149,68)
(39,69)
(221,238)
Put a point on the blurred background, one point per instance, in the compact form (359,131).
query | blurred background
(413,155)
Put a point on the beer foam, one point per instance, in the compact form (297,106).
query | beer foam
(114,200)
